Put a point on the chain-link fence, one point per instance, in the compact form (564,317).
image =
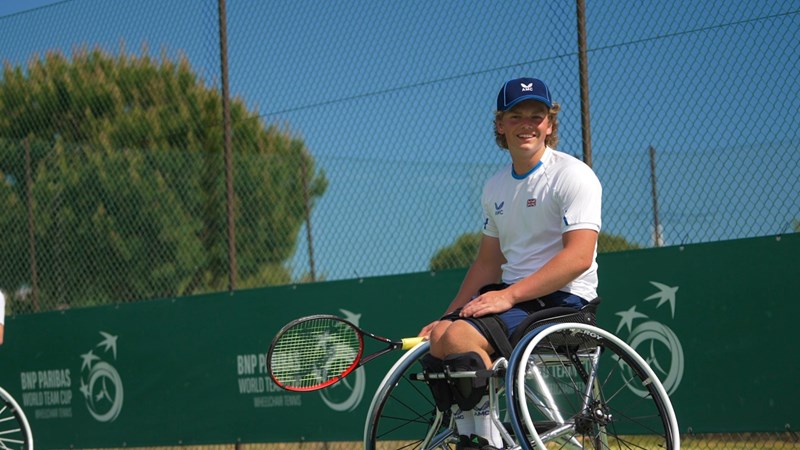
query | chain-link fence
(361,135)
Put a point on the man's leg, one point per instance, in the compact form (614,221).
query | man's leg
(460,336)
(463,347)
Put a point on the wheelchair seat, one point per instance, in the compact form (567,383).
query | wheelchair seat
(559,314)
(504,345)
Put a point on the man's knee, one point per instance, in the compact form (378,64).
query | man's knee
(439,330)
(458,332)
(459,337)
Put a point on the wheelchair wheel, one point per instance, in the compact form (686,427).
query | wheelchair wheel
(578,386)
(15,433)
(402,414)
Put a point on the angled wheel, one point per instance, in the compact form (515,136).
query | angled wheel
(15,433)
(402,414)
(579,386)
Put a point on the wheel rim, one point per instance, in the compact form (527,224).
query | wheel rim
(611,414)
(15,433)
(402,413)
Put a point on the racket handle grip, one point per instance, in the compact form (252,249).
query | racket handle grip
(409,343)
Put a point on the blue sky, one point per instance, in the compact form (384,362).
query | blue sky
(403,130)
(15,6)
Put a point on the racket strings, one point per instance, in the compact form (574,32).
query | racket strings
(314,352)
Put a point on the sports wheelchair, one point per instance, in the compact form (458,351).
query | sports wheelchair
(566,384)
(15,433)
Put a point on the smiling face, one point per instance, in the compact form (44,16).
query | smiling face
(525,128)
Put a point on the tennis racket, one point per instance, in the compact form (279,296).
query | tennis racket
(317,351)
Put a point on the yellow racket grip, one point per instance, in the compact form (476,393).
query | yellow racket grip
(409,343)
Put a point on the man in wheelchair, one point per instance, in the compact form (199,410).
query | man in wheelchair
(538,250)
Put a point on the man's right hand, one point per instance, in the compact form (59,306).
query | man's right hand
(426,330)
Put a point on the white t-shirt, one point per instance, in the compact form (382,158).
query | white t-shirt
(530,212)
(2,308)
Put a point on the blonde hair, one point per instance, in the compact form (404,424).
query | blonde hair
(551,140)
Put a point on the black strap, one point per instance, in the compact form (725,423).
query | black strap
(495,332)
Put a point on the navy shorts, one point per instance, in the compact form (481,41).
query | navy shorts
(514,316)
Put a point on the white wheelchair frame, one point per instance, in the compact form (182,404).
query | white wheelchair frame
(588,421)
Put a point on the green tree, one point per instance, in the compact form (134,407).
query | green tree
(128,181)
(463,251)
(460,254)
(607,243)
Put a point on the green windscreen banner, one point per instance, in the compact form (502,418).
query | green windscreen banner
(715,321)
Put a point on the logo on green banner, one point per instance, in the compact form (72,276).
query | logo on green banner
(346,395)
(655,341)
(101,384)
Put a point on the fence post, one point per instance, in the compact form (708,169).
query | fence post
(226,126)
(583,68)
(658,239)
(31,233)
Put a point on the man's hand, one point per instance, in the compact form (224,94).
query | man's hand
(492,302)
(426,331)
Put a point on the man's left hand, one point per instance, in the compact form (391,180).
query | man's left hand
(492,302)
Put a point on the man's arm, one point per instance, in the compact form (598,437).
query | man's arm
(575,258)
(486,269)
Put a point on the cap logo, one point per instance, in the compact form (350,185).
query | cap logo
(520,89)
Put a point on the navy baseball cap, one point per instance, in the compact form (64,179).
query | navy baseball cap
(519,89)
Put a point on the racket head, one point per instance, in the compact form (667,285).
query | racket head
(314,352)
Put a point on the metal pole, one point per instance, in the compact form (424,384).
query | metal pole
(307,204)
(31,234)
(583,67)
(226,113)
(658,241)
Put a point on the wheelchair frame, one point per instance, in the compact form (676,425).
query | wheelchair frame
(15,432)
(585,409)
